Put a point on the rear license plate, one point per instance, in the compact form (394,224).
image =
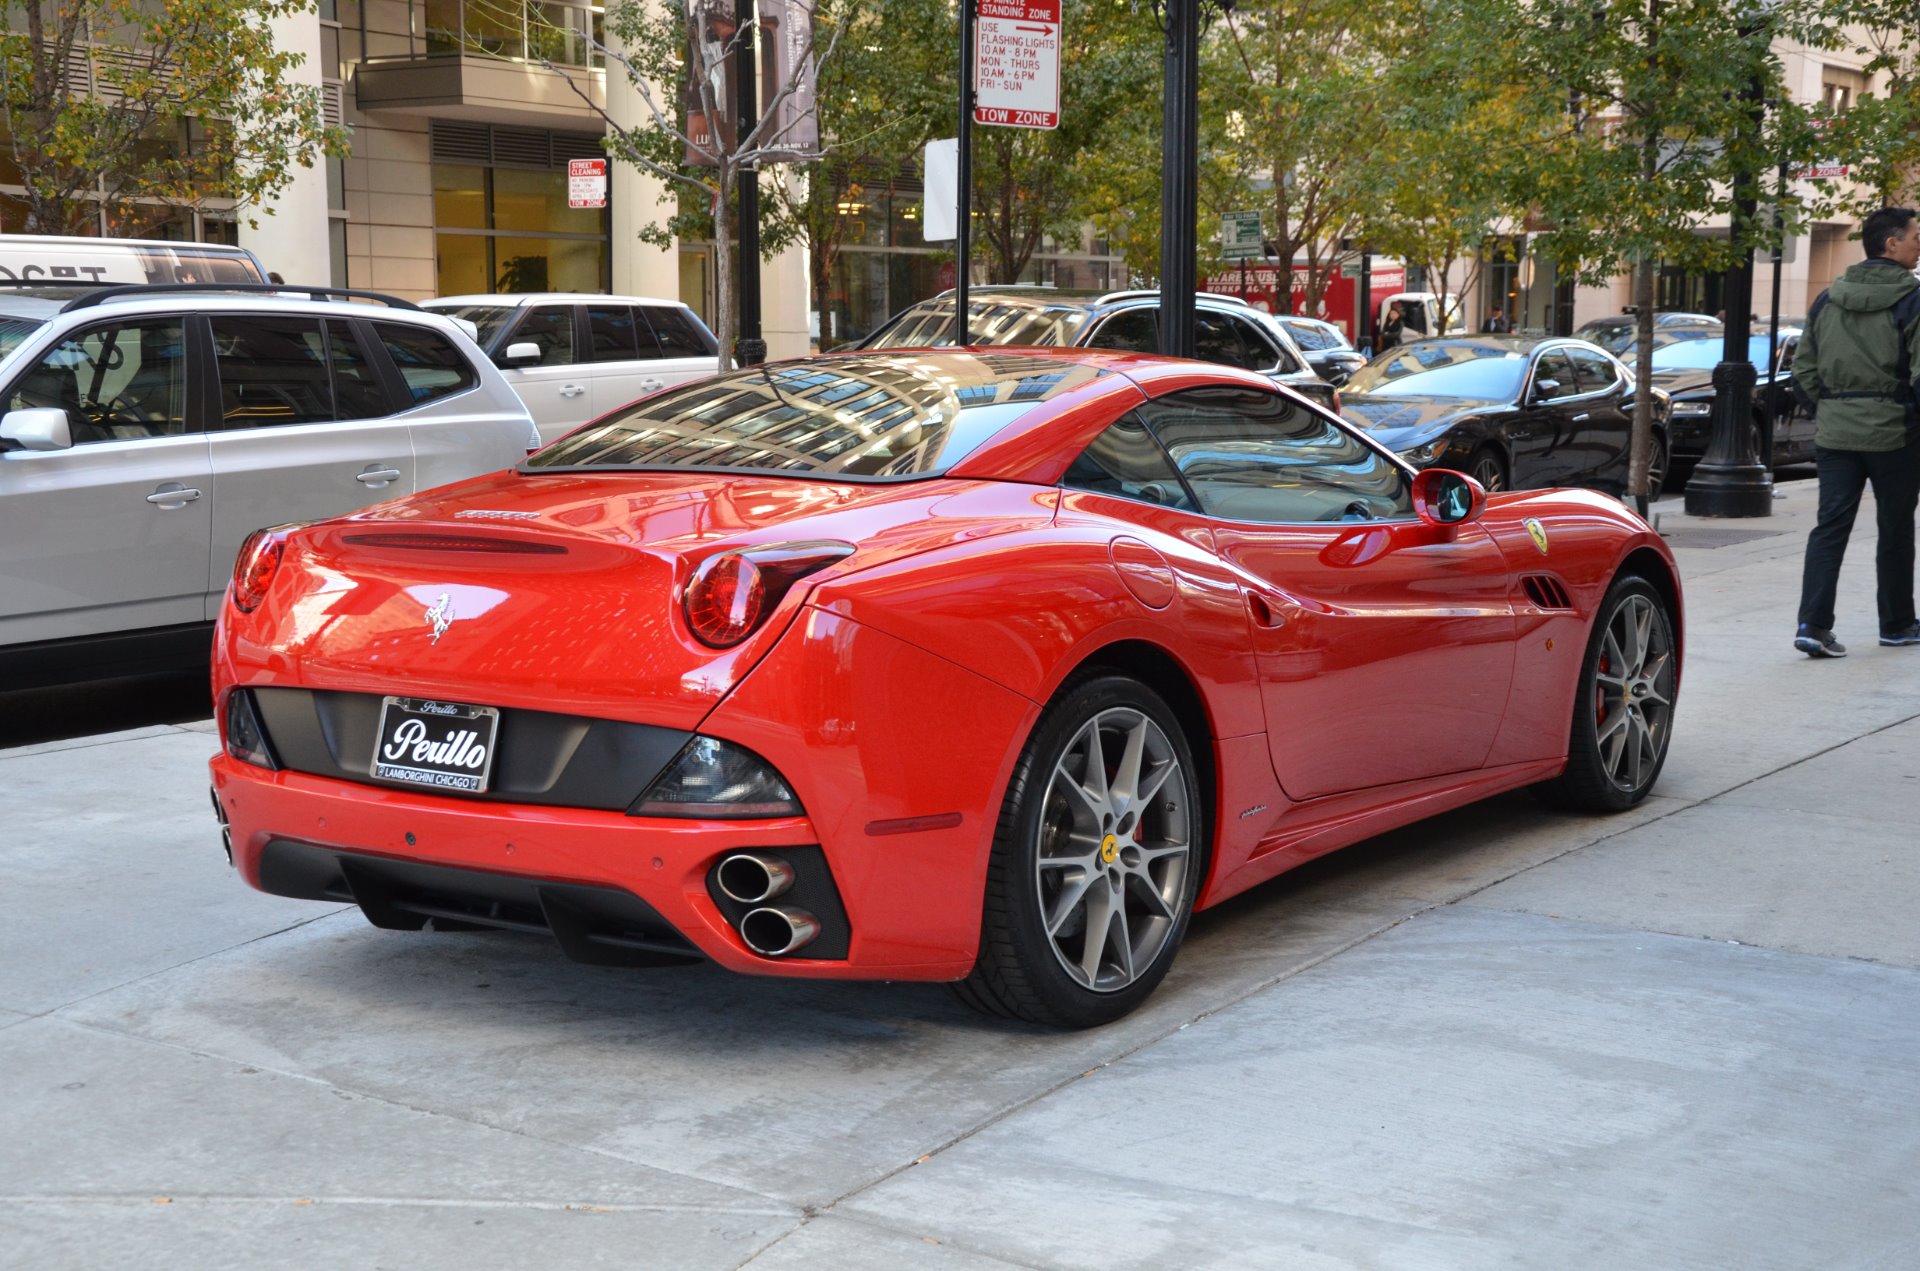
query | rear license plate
(445,745)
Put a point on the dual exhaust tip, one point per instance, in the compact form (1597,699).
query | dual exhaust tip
(753,878)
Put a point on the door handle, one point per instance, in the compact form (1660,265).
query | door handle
(572,390)
(172,495)
(652,386)
(377,476)
(1582,417)
(1264,613)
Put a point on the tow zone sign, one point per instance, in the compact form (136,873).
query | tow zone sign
(1016,64)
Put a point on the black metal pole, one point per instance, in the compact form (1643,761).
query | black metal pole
(1729,479)
(1774,397)
(749,349)
(963,227)
(1363,305)
(1179,177)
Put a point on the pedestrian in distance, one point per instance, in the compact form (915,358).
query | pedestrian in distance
(1496,322)
(1855,370)
(1394,329)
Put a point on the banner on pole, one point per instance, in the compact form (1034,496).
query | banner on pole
(940,204)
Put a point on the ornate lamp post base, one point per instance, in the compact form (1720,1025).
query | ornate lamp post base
(1730,480)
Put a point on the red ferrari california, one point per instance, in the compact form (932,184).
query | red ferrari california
(984,667)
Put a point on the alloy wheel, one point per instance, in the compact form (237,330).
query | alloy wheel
(1114,849)
(1489,472)
(1633,692)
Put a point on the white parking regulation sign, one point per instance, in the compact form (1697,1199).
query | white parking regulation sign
(1016,63)
(586,183)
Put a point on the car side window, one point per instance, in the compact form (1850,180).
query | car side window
(1265,352)
(273,371)
(1596,372)
(1250,455)
(1310,337)
(1126,461)
(432,366)
(1134,330)
(1554,365)
(679,333)
(357,390)
(550,327)
(1214,340)
(615,335)
(119,381)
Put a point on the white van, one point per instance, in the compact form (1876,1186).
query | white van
(106,261)
(574,357)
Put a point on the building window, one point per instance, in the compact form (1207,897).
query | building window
(501,229)
(560,31)
(1841,86)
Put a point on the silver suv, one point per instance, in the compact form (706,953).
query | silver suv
(147,430)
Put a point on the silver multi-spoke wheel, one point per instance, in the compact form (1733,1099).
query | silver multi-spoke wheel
(1633,692)
(1097,859)
(1623,706)
(1114,837)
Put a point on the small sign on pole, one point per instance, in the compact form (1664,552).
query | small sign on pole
(586,183)
(1016,63)
(1240,237)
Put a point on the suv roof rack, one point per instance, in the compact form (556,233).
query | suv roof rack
(119,290)
(1142,293)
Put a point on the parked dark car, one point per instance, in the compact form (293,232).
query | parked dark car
(1684,368)
(1616,334)
(1328,351)
(1226,330)
(1514,412)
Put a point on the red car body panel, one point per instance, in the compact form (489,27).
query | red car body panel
(1347,677)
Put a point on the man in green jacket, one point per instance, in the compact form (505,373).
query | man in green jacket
(1856,362)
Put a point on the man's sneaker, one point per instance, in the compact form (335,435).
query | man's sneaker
(1816,643)
(1910,634)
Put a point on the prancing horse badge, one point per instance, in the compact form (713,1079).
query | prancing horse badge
(441,614)
(1535,531)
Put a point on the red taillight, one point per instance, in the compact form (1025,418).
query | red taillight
(255,566)
(731,594)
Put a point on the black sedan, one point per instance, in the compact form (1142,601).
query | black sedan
(1514,412)
(1325,346)
(1684,368)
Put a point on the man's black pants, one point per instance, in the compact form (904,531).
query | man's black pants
(1844,474)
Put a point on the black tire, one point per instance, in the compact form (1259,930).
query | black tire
(1022,971)
(1621,728)
(1487,467)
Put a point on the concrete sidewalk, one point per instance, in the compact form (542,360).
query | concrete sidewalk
(1684,1037)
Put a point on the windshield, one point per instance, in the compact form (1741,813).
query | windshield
(988,322)
(1444,368)
(847,417)
(14,331)
(489,318)
(1704,355)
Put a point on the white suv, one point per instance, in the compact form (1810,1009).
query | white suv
(573,358)
(147,430)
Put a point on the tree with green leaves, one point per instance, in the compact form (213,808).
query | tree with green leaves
(1666,102)
(136,107)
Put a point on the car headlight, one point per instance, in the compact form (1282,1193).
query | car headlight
(1426,454)
(1685,410)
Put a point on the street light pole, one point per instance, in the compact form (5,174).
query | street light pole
(1179,176)
(750,349)
(1730,480)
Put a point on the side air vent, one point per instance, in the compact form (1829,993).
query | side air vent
(1546,591)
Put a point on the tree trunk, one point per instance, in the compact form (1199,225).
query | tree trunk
(1643,382)
(723,297)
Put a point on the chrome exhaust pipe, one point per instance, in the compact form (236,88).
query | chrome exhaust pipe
(226,831)
(753,879)
(774,932)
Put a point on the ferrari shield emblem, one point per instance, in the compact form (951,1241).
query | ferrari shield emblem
(1538,533)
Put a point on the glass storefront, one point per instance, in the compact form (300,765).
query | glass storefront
(500,229)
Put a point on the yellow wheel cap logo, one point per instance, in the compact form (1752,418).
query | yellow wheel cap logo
(1109,848)
(1538,532)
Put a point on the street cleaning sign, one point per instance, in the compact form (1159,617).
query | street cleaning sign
(1016,64)
(1240,237)
(586,183)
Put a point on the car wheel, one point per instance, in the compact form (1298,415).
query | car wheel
(1657,466)
(1096,861)
(1488,468)
(1623,707)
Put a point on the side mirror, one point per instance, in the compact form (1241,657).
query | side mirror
(1444,497)
(521,353)
(1545,390)
(40,428)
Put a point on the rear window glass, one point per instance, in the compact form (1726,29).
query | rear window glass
(273,370)
(14,331)
(850,417)
(680,333)
(989,322)
(490,319)
(429,362)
